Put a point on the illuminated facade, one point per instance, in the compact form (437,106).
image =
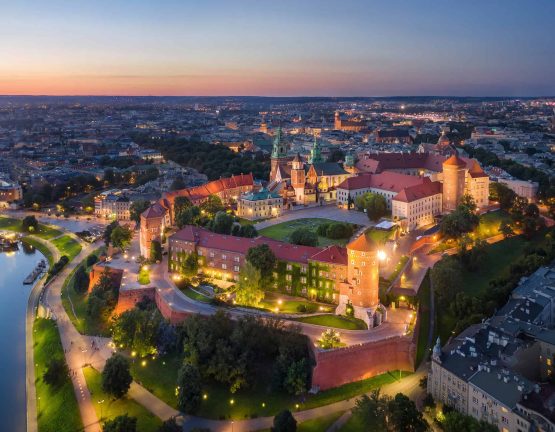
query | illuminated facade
(259,205)
(344,276)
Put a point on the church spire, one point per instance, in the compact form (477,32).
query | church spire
(278,150)
(315,152)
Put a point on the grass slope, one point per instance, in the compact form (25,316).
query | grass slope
(57,408)
(334,321)
(110,408)
(67,245)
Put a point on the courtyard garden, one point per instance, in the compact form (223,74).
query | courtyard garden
(284,230)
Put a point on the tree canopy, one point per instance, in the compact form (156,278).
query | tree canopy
(248,289)
(263,259)
(374,204)
(136,208)
(116,378)
(304,237)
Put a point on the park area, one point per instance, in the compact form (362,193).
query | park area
(160,376)
(495,264)
(56,405)
(284,230)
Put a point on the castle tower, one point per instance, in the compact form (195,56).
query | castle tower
(361,289)
(298,179)
(279,154)
(315,152)
(453,182)
(264,126)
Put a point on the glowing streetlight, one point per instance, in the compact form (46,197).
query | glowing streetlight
(382,255)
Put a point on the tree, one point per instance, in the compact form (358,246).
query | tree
(329,339)
(121,237)
(181,204)
(92,259)
(29,224)
(296,378)
(56,372)
(116,378)
(304,237)
(446,279)
(189,216)
(468,202)
(372,411)
(155,251)
(374,204)
(263,259)
(284,422)
(338,230)
(108,232)
(122,423)
(81,280)
(170,426)
(136,208)
(506,229)
(404,416)
(454,421)
(458,222)
(189,388)
(248,231)
(502,194)
(189,264)
(248,290)
(212,205)
(222,223)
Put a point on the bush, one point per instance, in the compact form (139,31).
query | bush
(122,423)
(304,237)
(339,230)
(91,260)
(58,266)
(284,422)
(322,229)
(301,308)
(29,224)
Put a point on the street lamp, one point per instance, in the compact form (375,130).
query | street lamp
(382,255)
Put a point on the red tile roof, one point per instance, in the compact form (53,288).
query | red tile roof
(414,193)
(332,254)
(282,250)
(379,162)
(390,181)
(154,211)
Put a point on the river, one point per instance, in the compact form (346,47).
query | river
(14,267)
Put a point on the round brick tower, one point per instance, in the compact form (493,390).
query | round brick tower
(453,182)
(361,289)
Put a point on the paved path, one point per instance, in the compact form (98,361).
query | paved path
(409,385)
(32,305)
(324,212)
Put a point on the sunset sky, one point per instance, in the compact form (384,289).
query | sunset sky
(278,48)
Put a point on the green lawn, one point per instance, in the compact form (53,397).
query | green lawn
(43,231)
(196,295)
(354,424)
(81,320)
(67,245)
(283,230)
(160,376)
(489,224)
(110,408)
(335,321)
(423,319)
(57,408)
(41,247)
(319,424)
(290,305)
(378,236)
(494,265)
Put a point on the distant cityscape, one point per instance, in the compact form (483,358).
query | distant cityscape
(237,263)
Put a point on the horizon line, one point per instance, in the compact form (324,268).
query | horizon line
(288,96)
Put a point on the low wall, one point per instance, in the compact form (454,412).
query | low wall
(345,365)
(129,298)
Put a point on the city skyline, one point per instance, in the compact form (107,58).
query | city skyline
(286,49)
